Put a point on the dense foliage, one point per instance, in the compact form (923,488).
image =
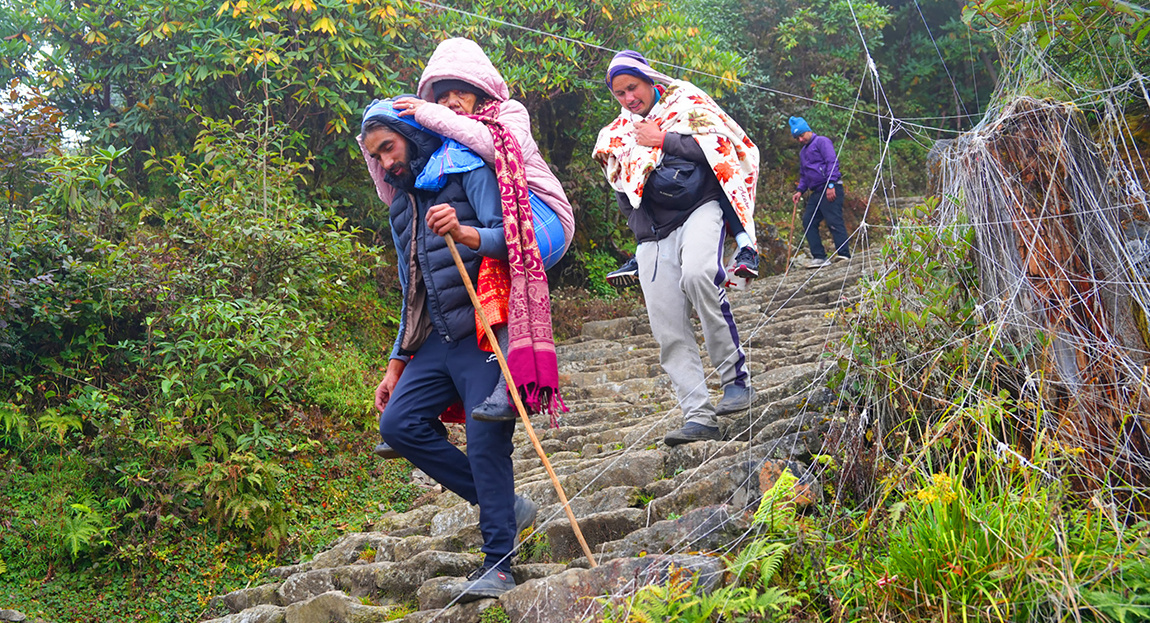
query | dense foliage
(158,346)
(127,75)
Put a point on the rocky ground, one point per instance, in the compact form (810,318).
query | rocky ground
(642,506)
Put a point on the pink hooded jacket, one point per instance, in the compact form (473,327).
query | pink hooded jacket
(463,59)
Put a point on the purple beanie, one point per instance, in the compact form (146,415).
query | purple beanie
(614,69)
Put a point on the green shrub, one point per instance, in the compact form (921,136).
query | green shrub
(1121,594)
(494,614)
(750,595)
(536,548)
(13,424)
(242,493)
(337,384)
(219,352)
(84,531)
(58,424)
(1006,547)
(969,510)
(902,351)
(162,336)
(598,264)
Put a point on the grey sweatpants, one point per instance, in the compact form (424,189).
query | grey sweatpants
(682,271)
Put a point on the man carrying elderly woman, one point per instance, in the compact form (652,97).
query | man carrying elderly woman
(464,97)
(436,186)
(677,163)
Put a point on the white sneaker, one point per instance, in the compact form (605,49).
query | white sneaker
(815,262)
(839,258)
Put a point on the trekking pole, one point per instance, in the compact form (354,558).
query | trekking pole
(791,236)
(515,396)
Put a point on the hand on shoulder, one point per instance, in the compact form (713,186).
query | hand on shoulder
(408,105)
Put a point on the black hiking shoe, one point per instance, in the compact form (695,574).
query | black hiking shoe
(692,431)
(625,276)
(483,583)
(384,451)
(746,263)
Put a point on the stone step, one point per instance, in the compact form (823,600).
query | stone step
(709,528)
(572,595)
(332,606)
(632,495)
(394,580)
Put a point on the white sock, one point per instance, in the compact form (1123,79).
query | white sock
(744,240)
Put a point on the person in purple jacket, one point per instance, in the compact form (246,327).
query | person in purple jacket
(819,174)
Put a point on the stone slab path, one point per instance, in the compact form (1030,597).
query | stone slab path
(643,507)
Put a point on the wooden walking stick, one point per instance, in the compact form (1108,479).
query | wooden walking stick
(515,396)
(791,237)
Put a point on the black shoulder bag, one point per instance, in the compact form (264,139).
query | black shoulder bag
(677,183)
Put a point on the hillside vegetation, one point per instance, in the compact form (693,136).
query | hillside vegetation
(197,296)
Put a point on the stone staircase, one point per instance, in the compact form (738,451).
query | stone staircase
(641,505)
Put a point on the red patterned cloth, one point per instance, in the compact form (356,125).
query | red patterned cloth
(454,414)
(531,350)
(494,290)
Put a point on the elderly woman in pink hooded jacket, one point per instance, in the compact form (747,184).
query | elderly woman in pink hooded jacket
(460,81)
(463,97)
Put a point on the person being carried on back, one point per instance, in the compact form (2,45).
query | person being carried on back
(465,98)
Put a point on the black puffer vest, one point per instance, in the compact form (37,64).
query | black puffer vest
(435,296)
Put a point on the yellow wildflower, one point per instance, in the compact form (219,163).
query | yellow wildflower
(941,490)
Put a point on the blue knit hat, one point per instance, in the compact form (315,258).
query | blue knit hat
(435,157)
(798,126)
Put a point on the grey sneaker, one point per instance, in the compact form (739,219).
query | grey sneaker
(839,258)
(525,512)
(483,583)
(384,451)
(818,262)
(735,399)
(692,431)
(497,408)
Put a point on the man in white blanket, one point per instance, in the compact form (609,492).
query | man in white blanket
(678,164)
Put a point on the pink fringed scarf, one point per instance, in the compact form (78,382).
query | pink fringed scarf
(531,347)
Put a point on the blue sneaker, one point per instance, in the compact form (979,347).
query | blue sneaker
(625,276)
(746,263)
(735,399)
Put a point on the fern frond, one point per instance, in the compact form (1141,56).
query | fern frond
(761,555)
(746,559)
(770,563)
(777,507)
